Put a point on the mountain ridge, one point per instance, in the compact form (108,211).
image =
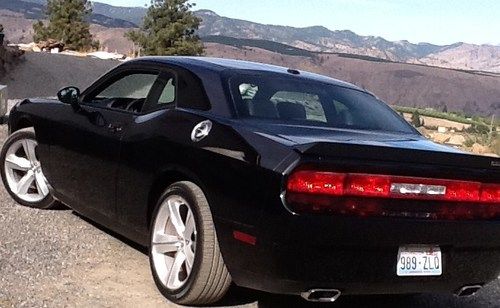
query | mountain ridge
(34,9)
(317,38)
(321,39)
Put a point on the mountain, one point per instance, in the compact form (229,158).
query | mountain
(313,39)
(467,56)
(321,39)
(130,14)
(34,9)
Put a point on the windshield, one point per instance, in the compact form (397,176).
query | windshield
(295,101)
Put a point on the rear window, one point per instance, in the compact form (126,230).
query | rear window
(295,101)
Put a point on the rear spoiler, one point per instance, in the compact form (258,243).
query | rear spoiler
(400,155)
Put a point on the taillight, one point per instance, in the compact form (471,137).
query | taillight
(490,193)
(354,193)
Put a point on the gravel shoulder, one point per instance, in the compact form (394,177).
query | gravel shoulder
(58,259)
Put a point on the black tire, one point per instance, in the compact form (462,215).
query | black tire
(209,279)
(27,133)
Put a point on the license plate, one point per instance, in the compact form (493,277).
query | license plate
(419,260)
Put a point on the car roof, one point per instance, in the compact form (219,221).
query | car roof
(219,65)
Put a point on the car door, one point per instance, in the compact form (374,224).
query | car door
(85,148)
(156,138)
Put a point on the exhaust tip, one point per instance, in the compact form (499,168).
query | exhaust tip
(468,290)
(321,295)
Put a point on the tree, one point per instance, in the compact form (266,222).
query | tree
(67,23)
(168,29)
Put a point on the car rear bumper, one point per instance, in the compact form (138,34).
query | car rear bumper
(358,256)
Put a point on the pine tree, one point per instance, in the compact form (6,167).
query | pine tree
(67,23)
(168,29)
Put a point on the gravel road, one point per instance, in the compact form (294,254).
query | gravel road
(58,259)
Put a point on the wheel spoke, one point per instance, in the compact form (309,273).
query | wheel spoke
(189,258)
(17,163)
(175,217)
(29,149)
(173,275)
(41,184)
(25,182)
(164,243)
(189,226)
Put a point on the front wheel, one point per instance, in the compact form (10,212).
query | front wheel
(184,252)
(22,173)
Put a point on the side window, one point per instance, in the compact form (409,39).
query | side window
(129,92)
(134,86)
(168,94)
(299,106)
(163,93)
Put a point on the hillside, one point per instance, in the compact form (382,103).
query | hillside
(45,74)
(396,83)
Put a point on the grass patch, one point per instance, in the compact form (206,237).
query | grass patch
(451,116)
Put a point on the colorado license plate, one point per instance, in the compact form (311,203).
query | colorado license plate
(419,260)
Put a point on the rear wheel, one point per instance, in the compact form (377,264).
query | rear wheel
(22,172)
(184,253)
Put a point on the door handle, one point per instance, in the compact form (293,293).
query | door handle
(114,128)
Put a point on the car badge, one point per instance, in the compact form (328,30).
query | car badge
(201,130)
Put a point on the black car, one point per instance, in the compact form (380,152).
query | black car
(272,178)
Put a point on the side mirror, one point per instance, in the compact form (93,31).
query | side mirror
(69,95)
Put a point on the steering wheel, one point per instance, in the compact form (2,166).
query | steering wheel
(135,105)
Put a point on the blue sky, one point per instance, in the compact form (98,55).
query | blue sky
(433,21)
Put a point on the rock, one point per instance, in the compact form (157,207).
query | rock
(51,44)
(424,131)
(456,140)
(479,149)
(441,138)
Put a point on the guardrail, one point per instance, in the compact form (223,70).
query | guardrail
(3,104)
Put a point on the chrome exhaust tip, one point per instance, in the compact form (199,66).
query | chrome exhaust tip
(468,290)
(321,295)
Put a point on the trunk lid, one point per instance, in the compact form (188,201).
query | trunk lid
(327,143)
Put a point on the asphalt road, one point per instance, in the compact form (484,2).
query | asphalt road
(58,259)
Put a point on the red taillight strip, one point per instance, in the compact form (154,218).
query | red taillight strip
(388,186)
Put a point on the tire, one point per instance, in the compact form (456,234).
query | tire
(208,280)
(37,193)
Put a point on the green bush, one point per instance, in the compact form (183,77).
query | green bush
(415,119)
(469,142)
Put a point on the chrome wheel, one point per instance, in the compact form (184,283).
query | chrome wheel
(23,171)
(173,242)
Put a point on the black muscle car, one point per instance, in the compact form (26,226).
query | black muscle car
(272,178)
